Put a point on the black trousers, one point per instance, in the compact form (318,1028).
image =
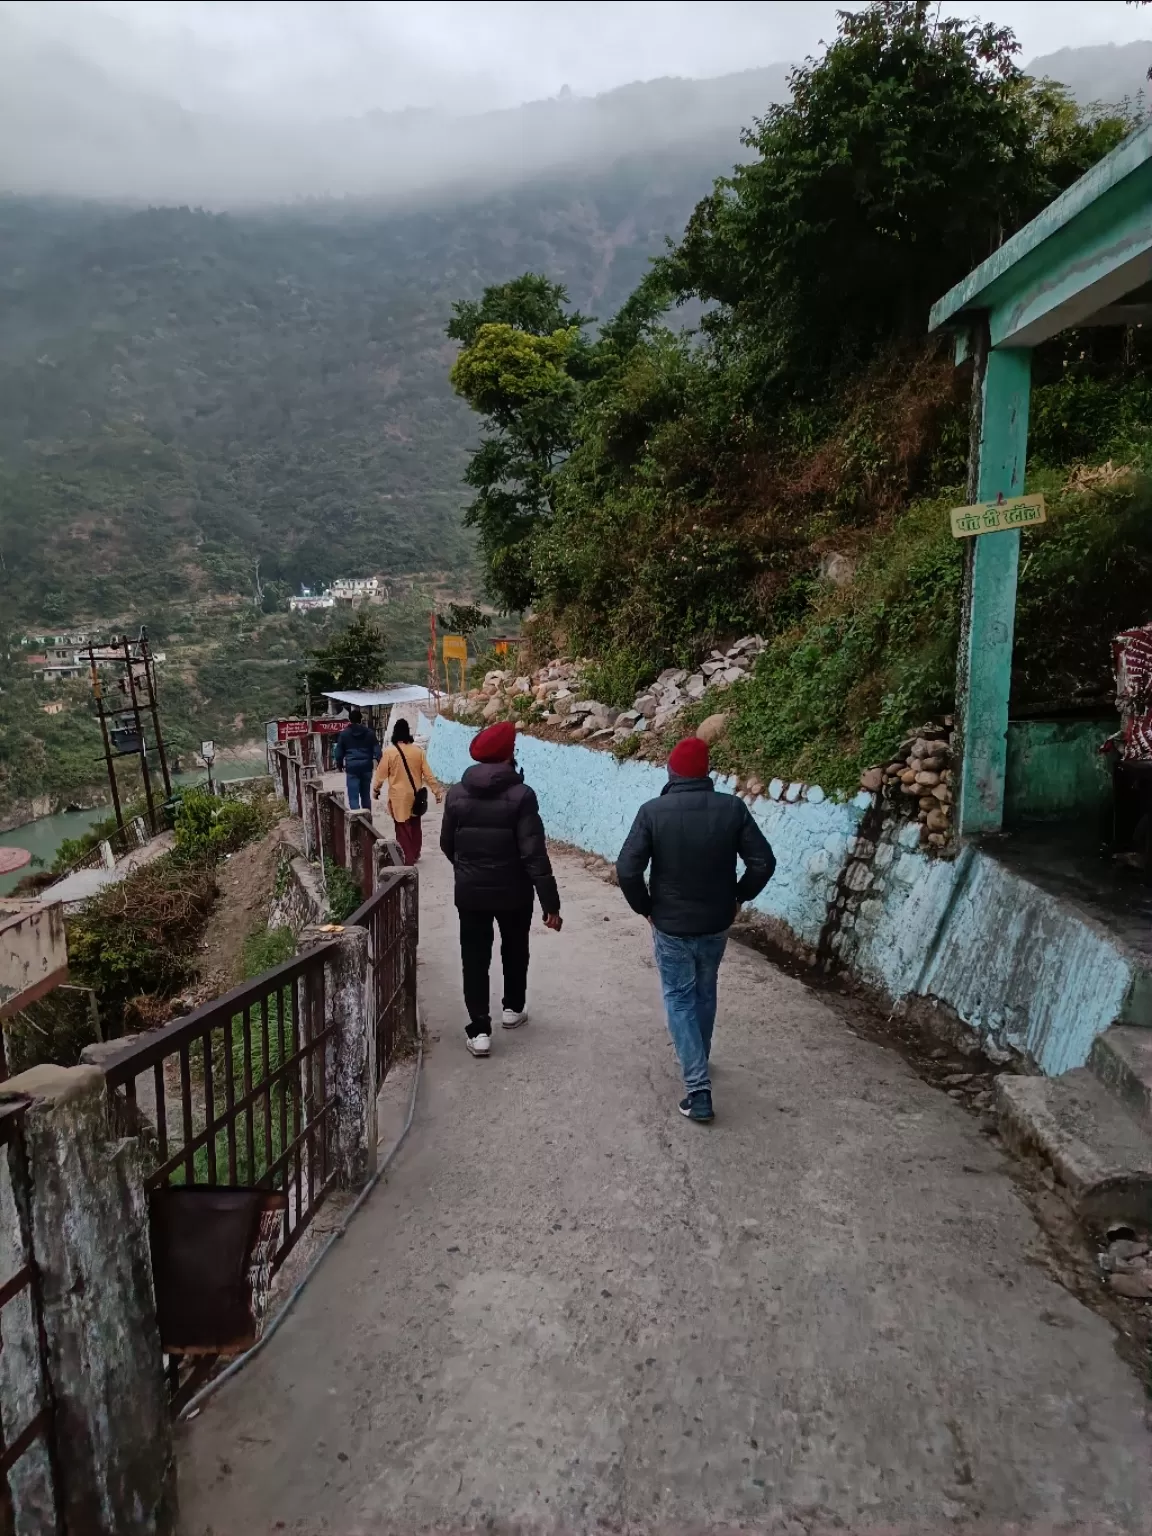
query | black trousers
(476,955)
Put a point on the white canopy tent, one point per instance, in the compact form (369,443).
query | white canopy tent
(405,701)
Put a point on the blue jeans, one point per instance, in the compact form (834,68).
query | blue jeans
(688,968)
(359,786)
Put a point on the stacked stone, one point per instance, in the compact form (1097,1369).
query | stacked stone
(552,696)
(501,694)
(921,776)
(658,705)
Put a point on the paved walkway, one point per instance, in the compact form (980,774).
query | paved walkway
(82,884)
(567,1306)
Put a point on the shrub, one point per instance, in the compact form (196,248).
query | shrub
(344,895)
(266,949)
(208,827)
(141,935)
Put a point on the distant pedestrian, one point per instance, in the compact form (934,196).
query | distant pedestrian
(357,751)
(494,839)
(691,836)
(404,768)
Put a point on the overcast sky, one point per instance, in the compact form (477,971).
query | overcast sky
(306,58)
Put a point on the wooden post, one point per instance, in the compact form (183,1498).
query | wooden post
(999,445)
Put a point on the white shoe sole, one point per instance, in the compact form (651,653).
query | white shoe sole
(514,1023)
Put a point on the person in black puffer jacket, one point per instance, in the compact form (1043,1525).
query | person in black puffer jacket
(692,836)
(494,839)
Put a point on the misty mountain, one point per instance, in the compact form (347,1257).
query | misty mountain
(67,128)
(183,392)
(1109,72)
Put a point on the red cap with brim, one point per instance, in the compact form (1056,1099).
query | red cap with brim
(496,744)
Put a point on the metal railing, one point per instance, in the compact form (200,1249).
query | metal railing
(117,845)
(238,1094)
(27,1462)
(331,830)
(391,916)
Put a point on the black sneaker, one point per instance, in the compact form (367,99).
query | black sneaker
(698,1105)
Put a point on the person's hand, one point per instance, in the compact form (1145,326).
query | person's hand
(554,921)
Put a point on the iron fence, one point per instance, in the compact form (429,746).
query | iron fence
(238,1094)
(27,1470)
(391,918)
(332,834)
(237,1097)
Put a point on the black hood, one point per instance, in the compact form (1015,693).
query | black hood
(491,778)
(360,735)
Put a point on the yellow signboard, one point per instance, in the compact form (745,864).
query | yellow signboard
(996,516)
(455,648)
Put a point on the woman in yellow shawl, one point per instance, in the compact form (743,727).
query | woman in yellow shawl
(404,768)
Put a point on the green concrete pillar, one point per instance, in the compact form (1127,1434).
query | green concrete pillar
(984,668)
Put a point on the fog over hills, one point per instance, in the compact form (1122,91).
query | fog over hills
(75,120)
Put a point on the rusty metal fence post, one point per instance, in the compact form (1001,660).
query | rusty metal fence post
(410,926)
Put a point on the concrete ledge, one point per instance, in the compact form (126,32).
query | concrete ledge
(49,1084)
(1099,1153)
(1122,1059)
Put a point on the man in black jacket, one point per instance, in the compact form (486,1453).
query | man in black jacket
(692,837)
(493,836)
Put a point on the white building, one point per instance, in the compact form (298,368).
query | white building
(307,603)
(355,589)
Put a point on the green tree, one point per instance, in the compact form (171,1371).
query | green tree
(356,657)
(904,157)
(520,367)
(462,619)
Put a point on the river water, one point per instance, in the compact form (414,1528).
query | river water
(43,837)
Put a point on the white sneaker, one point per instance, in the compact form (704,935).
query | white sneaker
(512,1019)
(479,1045)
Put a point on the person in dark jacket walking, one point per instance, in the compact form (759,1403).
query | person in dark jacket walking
(691,836)
(357,751)
(494,839)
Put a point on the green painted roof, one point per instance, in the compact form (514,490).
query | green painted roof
(1122,176)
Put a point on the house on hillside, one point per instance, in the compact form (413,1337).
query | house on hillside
(355,589)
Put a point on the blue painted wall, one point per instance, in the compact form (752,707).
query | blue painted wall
(1013,962)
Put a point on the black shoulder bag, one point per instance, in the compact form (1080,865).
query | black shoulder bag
(420,800)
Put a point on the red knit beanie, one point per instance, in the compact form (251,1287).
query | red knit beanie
(497,743)
(689,758)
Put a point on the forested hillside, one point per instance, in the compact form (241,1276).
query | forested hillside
(189,398)
(652,495)
(182,393)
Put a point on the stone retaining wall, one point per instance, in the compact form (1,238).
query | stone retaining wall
(852,889)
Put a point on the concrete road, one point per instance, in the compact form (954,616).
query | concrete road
(568,1307)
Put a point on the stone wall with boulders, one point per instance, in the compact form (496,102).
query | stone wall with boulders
(554,696)
(918,781)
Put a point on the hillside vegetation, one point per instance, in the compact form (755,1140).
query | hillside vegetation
(185,394)
(788,468)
